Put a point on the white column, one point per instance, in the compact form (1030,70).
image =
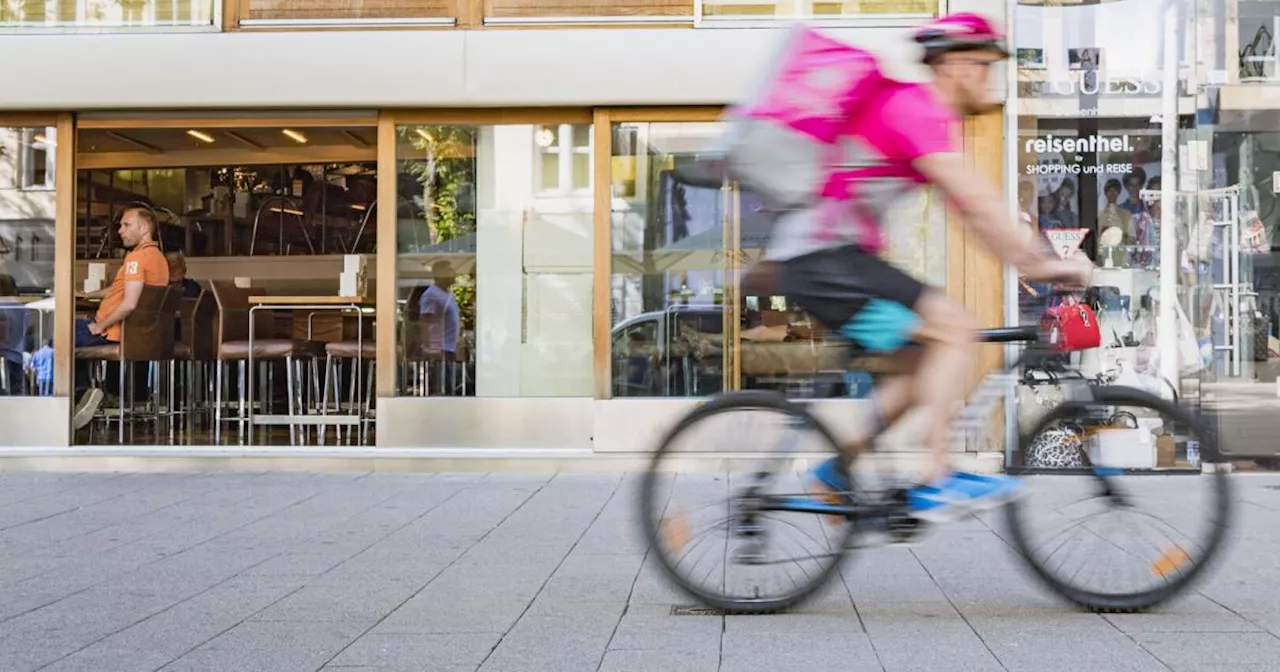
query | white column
(504,186)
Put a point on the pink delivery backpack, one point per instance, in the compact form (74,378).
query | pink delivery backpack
(784,141)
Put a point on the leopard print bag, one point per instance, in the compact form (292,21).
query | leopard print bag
(1056,448)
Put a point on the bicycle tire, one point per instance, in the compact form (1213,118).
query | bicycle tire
(728,402)
(1221,507)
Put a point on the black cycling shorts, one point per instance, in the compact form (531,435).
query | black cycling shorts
(856,294)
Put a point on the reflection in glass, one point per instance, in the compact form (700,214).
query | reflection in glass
(684,323)
(26,260)
(669,264)
(494,261)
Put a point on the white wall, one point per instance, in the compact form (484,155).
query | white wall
(425,68)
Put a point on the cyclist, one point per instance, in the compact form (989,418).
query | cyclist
(905,139)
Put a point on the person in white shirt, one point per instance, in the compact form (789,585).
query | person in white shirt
(438,312)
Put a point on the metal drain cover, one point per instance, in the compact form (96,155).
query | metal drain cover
(693,610)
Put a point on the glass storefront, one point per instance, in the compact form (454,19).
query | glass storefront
(1168,194)
(535,272)
(1089,173)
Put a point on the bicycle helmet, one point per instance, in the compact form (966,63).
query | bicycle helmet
(962,31)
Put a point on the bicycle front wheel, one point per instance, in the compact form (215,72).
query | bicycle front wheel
(1114,539)
(700,505)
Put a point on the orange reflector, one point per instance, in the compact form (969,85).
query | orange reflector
(675,531)
(1170,561)
(834,500)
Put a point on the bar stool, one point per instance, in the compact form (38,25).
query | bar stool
(166,368)
(335,353)
(231,344)
(144,337)
(193,351)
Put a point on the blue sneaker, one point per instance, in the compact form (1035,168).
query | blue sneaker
(959,493)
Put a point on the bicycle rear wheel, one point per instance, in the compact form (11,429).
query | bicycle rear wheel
(699,518)
(1154,570)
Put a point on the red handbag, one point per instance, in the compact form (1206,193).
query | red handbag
(1071,326)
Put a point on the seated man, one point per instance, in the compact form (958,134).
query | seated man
(144,265)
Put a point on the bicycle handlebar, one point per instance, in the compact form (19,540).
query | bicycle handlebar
(1023,334)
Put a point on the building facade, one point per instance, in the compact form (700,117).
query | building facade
(499,183)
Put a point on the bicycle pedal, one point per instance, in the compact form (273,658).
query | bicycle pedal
(905,528)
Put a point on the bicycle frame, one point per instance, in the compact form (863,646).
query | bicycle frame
(972,418)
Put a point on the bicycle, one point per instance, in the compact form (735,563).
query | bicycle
(881,514)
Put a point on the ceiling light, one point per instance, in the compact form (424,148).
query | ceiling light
(357,206)
(425,135)
(287,211)
(296,136)
(39,137)
(200,135)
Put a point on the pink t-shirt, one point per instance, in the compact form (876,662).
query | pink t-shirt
(892,131)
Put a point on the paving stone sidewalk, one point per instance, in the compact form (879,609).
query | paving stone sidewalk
(453,572)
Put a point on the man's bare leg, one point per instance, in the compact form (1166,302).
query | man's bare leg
(943,375)
(891,400)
